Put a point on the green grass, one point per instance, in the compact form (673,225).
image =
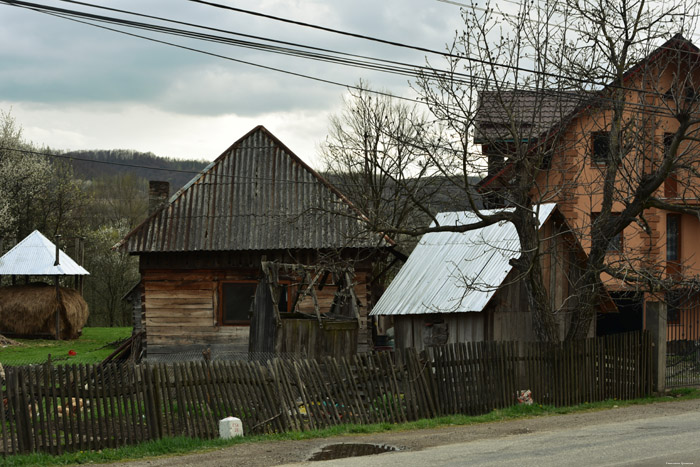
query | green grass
(183,445)
(89,348)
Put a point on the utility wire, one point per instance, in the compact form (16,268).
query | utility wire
(408,70)
(361,36)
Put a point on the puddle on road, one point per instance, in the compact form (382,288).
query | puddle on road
(339,451)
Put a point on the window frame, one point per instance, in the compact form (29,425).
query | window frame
(595,136)
(220,311)
(673,218)
(220,306)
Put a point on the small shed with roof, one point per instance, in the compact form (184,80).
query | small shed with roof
(37,309)
(256,253)
(461,286)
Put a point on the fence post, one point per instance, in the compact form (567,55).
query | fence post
(656,325)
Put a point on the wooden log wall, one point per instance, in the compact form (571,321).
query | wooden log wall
(56,409)
(180,311)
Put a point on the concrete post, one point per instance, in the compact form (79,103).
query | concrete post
(657,325)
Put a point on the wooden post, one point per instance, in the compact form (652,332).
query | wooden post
(656,325)
(58,293)
(58,309)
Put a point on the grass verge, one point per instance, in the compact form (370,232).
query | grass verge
(91,347)
(183,445)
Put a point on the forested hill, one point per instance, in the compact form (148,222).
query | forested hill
(93,164)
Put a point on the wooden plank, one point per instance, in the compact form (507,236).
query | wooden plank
(198,325)
(183,427)
(391,370)
(33,409)
(139,394)
(233,386)
(79,415)
(189,407)
(153,286)
(121,385)
(6,447)
(163,314)
(354,398)
(197,398)
(327,397)
(341,395)
(303,394)
(62,380)
(204,398)
(179,303)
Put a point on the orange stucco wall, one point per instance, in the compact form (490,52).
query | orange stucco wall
(575,181)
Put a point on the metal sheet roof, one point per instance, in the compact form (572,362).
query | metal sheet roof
(257,195)
(35,256)
(454,272)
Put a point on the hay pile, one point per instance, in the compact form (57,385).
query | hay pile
(30,310)
(5,342)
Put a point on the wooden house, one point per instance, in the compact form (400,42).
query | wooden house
(257,229)
(461,286)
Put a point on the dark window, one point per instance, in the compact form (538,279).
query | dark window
(673,237)
(496,154)
(601,147)
(237,302)
(283,303)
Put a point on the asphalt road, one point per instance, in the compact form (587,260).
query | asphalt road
(658,441)
(659,434)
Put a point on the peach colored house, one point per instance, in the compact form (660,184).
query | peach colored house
(576,128)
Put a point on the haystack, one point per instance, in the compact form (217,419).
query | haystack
(30,310)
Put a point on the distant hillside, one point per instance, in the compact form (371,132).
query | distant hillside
(100,163)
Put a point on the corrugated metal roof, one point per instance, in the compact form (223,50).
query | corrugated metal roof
(257,195)
(454,272)
(35,256)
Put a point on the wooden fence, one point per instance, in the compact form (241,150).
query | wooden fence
(78,407)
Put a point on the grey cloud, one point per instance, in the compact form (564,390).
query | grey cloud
(52,60)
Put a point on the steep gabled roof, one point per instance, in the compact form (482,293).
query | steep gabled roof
(455,272)
(35,256)
(551,113)
(257,195)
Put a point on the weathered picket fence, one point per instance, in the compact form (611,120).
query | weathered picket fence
(79,407)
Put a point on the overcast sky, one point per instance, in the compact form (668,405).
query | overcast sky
(74,86)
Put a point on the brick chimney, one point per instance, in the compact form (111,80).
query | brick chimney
(158,194)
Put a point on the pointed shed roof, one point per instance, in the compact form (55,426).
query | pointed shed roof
(35,256)
(258,195)
(455,272)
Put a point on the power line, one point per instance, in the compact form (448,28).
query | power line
(407,70)
(336,31)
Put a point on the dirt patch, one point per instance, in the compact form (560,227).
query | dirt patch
(287,452)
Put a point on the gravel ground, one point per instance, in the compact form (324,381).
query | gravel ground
(285,452)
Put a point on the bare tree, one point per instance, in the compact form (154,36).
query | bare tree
(589,104)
